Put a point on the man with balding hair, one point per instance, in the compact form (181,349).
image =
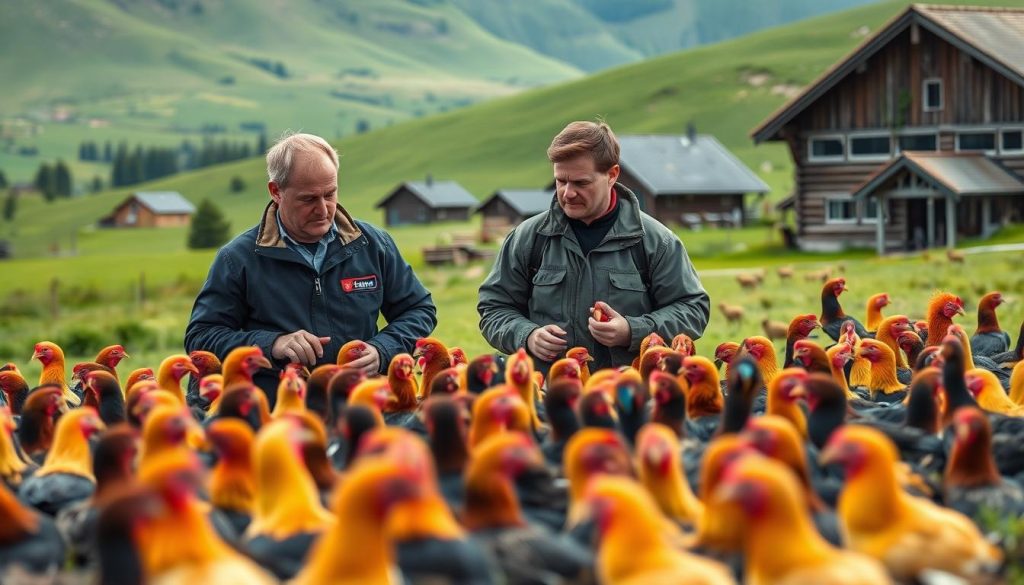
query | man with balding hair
(309,277)
(593,270)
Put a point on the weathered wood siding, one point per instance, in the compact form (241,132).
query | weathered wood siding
(406,208)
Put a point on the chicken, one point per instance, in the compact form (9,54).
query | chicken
(1010,358)
(526,553)
(496,411)
(724,354)
(985,388)
(136,376)
(783,393)
(632,549)
(171,371)
(317,390)
(13,469)
(103,389)
(632,399)
(175,539)
(704,401)
(432,356)
(459,357)
(241,363)
(889,330)
(565,369)
(560,404)
(519,376)
(447,424)
(351,351)
(972,483)
(883,383)
(988,339)
(287,516)
(811,357)
(358,550)
(942,308)
(970,361)
(683,344)
(799,328)
(447,382)
(206,362)
(659,358)
(583,357)
(484,372)
(762,349)
(66,475)
(912,345)
(31,549)
(15,390)
(719,528)
(651,340)
(232,479)
(52,357)
(339,388)
(1017,384)
(114,471)
(744,383)
(876,303)
(839,355)
(909,535)
(669,402)
(38,421)
(591,452)
(733,313)
(291,393)
(108,358)
(168,427)
(779,540)
(661,473)
(597,409)
(832,315)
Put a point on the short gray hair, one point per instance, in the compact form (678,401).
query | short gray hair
(280,156)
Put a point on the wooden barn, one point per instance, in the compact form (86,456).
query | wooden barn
(914,139)
(507,208)
(426,202)
(686,179)
(151,209)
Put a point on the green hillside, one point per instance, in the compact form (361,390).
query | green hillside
(501,143)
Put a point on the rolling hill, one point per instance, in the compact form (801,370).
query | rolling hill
(725,89)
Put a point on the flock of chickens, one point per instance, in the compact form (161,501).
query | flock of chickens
(882,456)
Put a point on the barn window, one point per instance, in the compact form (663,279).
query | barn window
(932,95)
(918,142)
(826,148)
(870,146)
(1012,141)
(978,140)
(843,209)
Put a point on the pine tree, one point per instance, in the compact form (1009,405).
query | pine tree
(3,180)
(209,227)
(237,185)
(108,152)
(261,145)
(62,182)
(10,205)
(45,182)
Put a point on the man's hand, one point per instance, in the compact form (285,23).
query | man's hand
(300,347)
(369,362)
(614,332)
(546,342)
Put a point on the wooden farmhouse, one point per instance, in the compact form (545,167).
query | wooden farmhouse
(914,139)
(426,202)
(151,209)
(686,179)
(507,208)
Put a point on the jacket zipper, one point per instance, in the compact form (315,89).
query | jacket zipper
(316,285)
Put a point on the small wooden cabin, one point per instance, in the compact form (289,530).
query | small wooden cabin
(421,202)
(151,209)
(507,208)
(914,139)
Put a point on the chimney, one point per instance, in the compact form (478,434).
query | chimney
(691,132)
(430,180)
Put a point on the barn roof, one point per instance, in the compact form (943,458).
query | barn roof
(673,164)
(993,36)
(436,194)
(164,202)
(956,174)
(523,201)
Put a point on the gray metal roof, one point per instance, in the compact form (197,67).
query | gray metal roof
(436,194)
(994,36)
(165,202)
(952,173)
(669,164)
(524,201)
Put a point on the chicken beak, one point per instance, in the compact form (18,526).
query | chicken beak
(797,392)
(263,362)
(830,455)
(125,355)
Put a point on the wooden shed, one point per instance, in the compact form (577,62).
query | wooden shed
(915,138)
(507,208)
(420,202)
(151,209)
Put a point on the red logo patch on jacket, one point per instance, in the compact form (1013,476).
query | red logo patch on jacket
(360,283)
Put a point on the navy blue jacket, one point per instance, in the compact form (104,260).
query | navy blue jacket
(259,289)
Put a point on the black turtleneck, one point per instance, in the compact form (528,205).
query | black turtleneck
(591,236)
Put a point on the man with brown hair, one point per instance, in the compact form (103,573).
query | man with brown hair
(594,270)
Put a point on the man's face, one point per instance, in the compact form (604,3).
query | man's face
(584,193)
(308,203)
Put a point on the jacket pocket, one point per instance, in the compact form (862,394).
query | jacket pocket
(546,302)
(627,293)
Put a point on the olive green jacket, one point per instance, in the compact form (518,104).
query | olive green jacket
(567,284)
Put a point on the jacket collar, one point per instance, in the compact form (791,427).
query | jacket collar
(627,225)
(269,235)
